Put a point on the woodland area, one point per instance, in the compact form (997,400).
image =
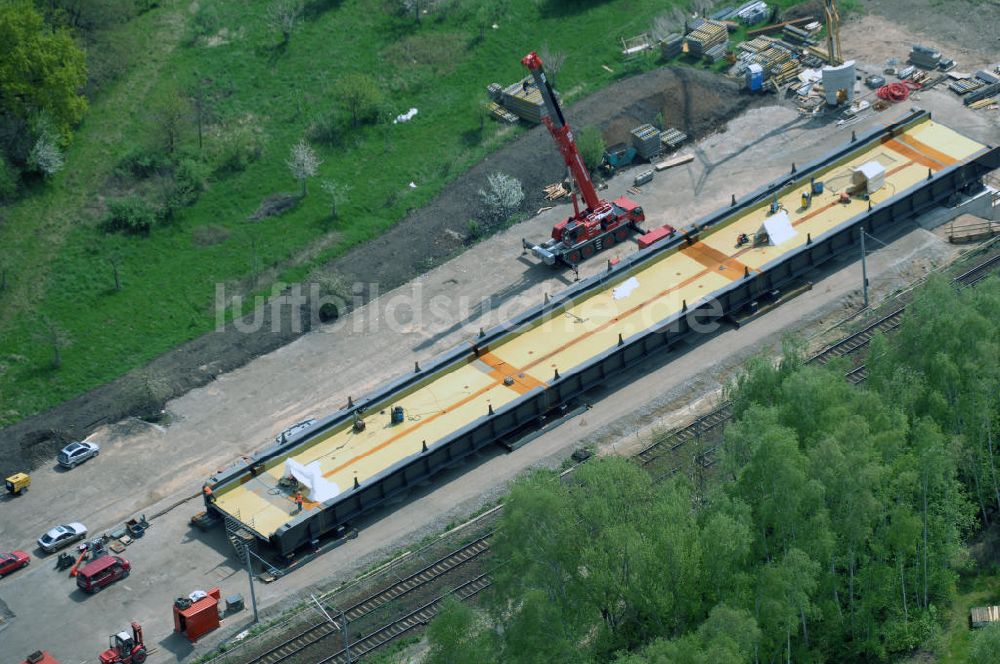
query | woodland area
(837,531)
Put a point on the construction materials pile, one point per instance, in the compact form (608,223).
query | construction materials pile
(672,46)
(925,57)
(522,98)
(753,12)
(671,139)
(706,35)
(980,90)
(646,141)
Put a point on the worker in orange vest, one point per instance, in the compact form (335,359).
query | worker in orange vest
(298,501)
(209,496)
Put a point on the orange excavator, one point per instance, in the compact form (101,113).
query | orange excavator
(601,223)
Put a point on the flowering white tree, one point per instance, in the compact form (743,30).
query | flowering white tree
(502,197)
(303,163)
(46,157)
(337,193)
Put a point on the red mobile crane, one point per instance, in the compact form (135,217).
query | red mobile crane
(602,223)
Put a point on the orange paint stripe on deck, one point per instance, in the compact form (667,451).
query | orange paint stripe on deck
(715,260)
(523,382)
(913,154)
(936,155)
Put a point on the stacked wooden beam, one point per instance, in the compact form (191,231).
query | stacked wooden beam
(501,113)
(796,35)
(705,36)
(671,46)
(965,85)
(756,45)
(554,191)
(646,140)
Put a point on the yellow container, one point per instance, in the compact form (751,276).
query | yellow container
(17,483)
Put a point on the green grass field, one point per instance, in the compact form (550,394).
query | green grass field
(57,258)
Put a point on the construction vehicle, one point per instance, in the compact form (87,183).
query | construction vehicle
(617,156)
(17,483)
(601,223)
(832,33)
(125,648)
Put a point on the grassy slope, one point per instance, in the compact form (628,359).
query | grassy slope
(58,260)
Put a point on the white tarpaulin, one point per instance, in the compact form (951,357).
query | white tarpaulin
(625,289)
(871,174)
(311,477)
(778,228)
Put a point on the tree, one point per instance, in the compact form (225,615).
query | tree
(303,164)
(52,334)
(502,197)
(283,16)
(458,636)
(172,116)
(41,70)
(985,646)
(361,97)
(552,61)
(202,104)
(590,142)
(337,193)
(46,157)
(414,7)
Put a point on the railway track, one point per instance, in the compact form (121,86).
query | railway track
(320,631)
(665,444)
(397,628)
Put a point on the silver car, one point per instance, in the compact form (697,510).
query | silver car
(62,536)
(294,430)
(76,453)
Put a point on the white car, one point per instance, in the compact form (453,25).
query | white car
(76,453)
(62,536)
(294,430)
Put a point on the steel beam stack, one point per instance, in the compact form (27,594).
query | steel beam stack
(671,139)
(646,141)
(671,46)
(705,36)
(924,57)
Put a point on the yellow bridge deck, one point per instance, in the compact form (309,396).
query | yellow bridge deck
(445,403)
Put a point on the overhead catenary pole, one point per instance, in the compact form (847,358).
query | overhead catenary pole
(253,595)
(864,268)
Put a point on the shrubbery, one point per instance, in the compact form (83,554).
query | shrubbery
(10,181)
(131,215)
(143,162)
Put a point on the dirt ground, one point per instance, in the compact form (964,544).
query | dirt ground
(692,100)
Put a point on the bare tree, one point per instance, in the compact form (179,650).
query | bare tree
(51,333)
(201,104)
(173,116)
(553,62)
(283,16)
(337,193)
(114,260)
(303,164)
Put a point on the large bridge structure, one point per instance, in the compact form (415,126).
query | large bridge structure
(513,376)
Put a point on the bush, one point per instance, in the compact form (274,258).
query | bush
(10,181)
(590,143)
(233,147)
(189,182)
(501,198)
(131,215)
(143,162)
(327,130)
(474,231)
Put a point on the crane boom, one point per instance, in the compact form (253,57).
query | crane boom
(832,32)
(562,133)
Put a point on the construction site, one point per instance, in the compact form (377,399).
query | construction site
(727,209)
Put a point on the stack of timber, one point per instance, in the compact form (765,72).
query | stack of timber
(671,46)
(672,138)
(554,191)
(965,85)
(705,36)
(501,113)
(646,141)
(925,57)
(522,98)
(785,72)
(778,27)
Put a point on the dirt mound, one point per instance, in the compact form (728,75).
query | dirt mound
(691,100)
